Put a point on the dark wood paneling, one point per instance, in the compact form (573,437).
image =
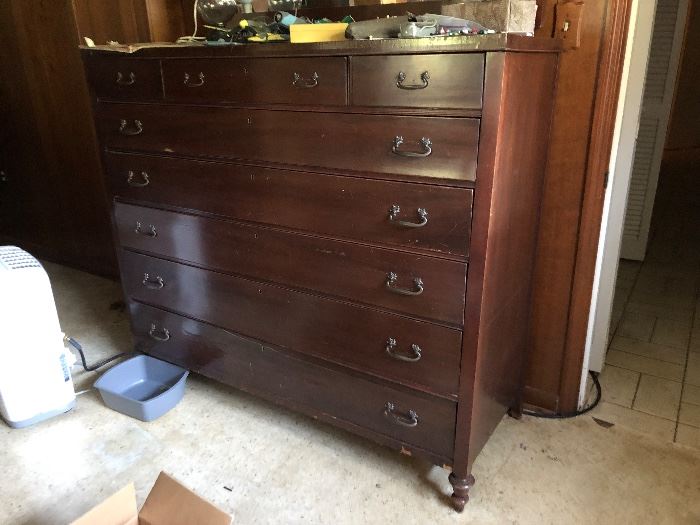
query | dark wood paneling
(358,273)
(297,138)
(345,207)
(302,385)
(340,332)
(561,208)
(61,170)
(441,81)
(295,81)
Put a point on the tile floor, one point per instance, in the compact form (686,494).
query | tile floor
(651,381)
(269,466)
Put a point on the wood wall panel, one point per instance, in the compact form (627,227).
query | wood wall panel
(561,206)
(52,199)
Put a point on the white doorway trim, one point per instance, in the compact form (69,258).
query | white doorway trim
(624,141)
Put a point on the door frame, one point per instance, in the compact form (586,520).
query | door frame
(608,84)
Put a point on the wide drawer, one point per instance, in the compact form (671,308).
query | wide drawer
(298,81)
(419,81)
(125,78)
(414,353)
(417,146)
(416,285)
(345,207)
(327,392)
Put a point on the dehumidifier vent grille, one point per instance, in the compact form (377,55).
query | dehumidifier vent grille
(13,258)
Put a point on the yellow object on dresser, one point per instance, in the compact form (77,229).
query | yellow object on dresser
(301,33)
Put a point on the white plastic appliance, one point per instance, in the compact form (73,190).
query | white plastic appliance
(35,379)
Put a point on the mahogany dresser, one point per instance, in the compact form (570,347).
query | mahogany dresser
(346,229)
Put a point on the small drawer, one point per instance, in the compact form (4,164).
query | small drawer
(390,144)
(339,396)
(295,81)
(426,287)
(366,210)
(418,81)
(419,354)
(125,78)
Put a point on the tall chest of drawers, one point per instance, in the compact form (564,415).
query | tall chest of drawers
(345,229)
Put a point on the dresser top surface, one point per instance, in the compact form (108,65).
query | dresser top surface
(452,44)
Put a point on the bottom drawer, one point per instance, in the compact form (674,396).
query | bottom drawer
(408,417)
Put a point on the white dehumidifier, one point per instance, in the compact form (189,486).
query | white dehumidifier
(35,379)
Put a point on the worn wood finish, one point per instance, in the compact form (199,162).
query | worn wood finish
(344,207)
(125,79)
(428,81)
(246,231)
(297,138)
(346,270)
(353,402)
(294,81)
(251,308)
(501,42)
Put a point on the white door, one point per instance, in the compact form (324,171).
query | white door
(664,58)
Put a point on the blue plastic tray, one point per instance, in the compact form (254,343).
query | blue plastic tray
(142,387)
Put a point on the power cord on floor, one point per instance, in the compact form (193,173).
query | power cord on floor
(75,344)
(599,394)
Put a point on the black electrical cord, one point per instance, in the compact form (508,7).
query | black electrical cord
(599,394)
(75,344)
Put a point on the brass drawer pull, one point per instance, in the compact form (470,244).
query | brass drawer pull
(305,83)
(151,232)
(407,420)
(391,279)
(123,82)
(425,143)
(163,336)
(153,284)
(194,84)
(396,210)
(131,180)
(415,350)
(124,128)
(401,78)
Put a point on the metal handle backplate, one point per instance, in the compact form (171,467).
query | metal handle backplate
(301,82)
(416,352)
(131,179)
(425,143)
(159,335)
(401,78)
(153,283)
(191,84)
(410,419)
(395,210)
(128,131)
(122,81)
(390,284)
(150,232)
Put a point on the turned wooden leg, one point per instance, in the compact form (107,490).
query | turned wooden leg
(461,487)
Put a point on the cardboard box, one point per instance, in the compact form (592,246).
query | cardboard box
(168,503)
(503,16)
